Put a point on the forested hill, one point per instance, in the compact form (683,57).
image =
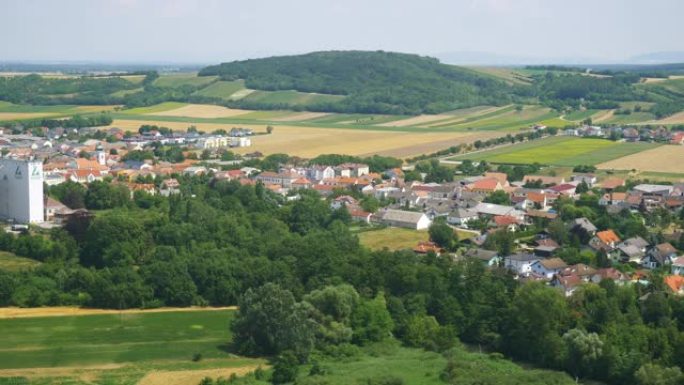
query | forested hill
(378,81)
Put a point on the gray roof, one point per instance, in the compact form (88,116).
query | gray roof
(463,213)
(494,209)
(585,224)
(636,242)
(402,216)
(522,257)
(485,255)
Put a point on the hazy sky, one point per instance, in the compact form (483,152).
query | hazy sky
(216,30)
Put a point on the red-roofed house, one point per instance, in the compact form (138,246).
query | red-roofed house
(486,185)
(604,240)
(675,283)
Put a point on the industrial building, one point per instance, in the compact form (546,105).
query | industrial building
(21,190)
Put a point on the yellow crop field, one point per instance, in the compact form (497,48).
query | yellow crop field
(666,159)
(202,111)
(313,141)
(416,120)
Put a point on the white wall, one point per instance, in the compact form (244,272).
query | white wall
(21,190)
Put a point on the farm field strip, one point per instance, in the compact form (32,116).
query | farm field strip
(222,89)
(112,338)
(202,111)
(182,79)
(419,120)
(475,117)
(559,151)
(664,159)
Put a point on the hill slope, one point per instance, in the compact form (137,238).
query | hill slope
(380,82)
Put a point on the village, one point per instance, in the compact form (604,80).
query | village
(482,206)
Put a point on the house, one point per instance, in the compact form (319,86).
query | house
(589,179)
(612,199)
(169,187)
(343,201)
(499,176)
(545,247)
(678,266)
(611,184)
(677,138)
(352,169)
(83,175)
(566,189)
(53,207)
(195,170)
(675,283)
(658,256)
(612,273)
(320,172)
(604,240)
(583,227)
(581,270)
(520,263)
(461,217)
(568,284)
(653,189)
(548,267)
(631,134)
(485,186)
(406,219)
(488,257)
(632,249)
(506,222)
(361,216)
(494,210)
(543,179)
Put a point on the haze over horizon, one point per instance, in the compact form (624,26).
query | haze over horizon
(467,32)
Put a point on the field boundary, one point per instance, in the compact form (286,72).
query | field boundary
(62,311)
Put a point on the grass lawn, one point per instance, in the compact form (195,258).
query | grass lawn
(393,238)
(11,262)
(105,339)
(559,151)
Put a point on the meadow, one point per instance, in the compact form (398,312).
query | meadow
(393,238)
(113,338)
(559,151)
(11,262)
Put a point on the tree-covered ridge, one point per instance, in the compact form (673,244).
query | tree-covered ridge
(373,81)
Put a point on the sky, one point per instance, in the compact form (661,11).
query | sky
(210,31)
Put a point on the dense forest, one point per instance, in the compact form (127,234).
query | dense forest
(372,81)
(304,282)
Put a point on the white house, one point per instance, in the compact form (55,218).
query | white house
(461,217)
(520,263)
(548,267)
(678,266)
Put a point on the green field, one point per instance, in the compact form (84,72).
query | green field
(98,339)
(184,79)
(577,116)
(393,238)
(290,97)
(222,89)
(559,151)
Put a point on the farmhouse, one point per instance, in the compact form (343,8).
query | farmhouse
(406,219)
